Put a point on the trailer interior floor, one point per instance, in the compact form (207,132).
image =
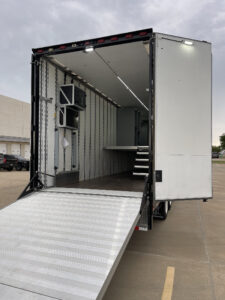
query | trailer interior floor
(122,182)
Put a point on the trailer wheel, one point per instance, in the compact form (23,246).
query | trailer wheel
(169,205)
(164,210)
(19,167)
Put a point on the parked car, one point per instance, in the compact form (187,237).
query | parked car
(222,154)
(1,160)
(22,163)
(215,155)
(9,162)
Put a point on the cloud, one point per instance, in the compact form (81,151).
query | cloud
(27,24)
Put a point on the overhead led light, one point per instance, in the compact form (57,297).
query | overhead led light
(89,49)
(189,43)
(135,96)
(121,80)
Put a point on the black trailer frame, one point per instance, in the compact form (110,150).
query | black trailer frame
(129,37)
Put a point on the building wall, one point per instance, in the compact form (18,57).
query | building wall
(21,148)
(14,118)
(14,126)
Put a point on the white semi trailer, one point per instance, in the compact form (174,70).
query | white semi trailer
(121,127)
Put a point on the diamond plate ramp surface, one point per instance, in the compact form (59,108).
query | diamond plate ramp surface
(65,243)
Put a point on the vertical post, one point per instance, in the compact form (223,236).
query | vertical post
(151,131)
(34,117)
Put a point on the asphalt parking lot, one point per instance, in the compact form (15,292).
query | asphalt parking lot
(11,185)
(183,256)
(191,241)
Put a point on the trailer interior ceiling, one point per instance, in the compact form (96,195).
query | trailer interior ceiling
(102,67)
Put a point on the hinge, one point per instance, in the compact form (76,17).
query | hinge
(45,99)
(36,62)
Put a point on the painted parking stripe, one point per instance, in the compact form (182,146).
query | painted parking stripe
(168,285)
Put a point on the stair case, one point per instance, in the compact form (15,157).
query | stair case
(141,165)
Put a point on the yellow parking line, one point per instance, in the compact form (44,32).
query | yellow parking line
(168,285)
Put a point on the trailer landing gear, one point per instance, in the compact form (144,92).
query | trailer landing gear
(164,210)
(161,211)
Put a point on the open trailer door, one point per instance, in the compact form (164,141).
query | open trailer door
(183,168)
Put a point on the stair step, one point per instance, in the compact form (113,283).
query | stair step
(142,159)
(142,153)
(141,167)
(143,147)
(140,174)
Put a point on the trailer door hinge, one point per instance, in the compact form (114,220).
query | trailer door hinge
(46,99)
(36,62)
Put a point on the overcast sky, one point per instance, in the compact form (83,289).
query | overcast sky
(26,24)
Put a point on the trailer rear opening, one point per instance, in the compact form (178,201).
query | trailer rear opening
(121,126)
(109,128)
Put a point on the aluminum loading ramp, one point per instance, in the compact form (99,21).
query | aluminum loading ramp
(64,243)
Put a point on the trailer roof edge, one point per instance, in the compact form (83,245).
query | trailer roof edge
(184,37)
(127,37)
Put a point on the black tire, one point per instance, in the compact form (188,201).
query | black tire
(164,210)
(19,168)
(10,168)
(169,205)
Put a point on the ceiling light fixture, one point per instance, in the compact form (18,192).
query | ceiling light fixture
(189,43)
(89,49)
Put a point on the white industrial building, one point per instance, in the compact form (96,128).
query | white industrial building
(14,127)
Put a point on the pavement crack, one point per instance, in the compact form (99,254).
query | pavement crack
(182,260)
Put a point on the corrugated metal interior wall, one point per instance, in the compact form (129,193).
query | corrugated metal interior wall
(97,129)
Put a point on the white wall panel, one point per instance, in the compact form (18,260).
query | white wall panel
(109,142)
(101,107)
(105,153)
(116,163)
(93,135)
(3,148)
(97,135)
(68,150)
(183,119)
(87,136)
(15,149)
(26,151)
